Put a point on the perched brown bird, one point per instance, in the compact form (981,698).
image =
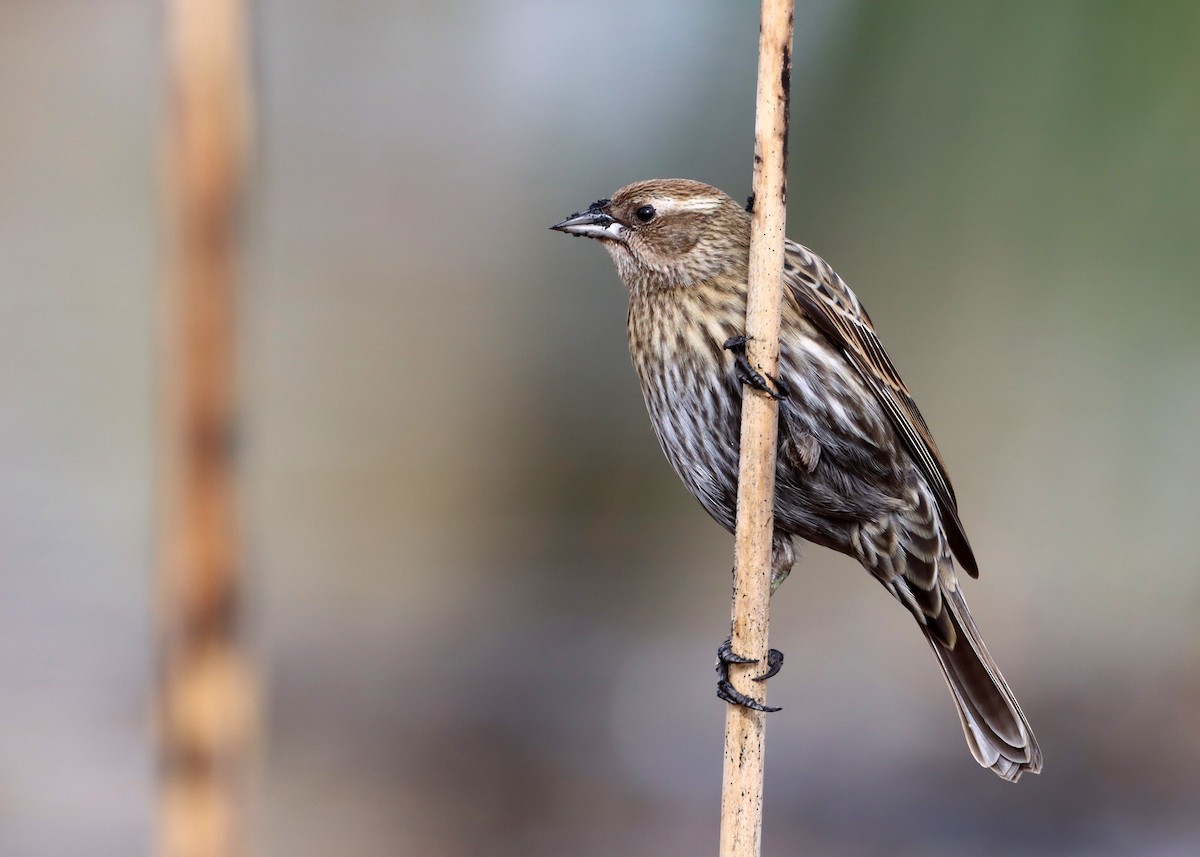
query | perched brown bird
(857,471)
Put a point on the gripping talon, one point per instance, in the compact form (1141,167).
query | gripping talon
(730,694)
(774,665)
(725,689)
(726,655)
(745,372)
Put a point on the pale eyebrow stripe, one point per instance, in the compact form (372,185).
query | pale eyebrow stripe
(700,203)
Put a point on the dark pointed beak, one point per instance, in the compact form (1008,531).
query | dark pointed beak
(596,222)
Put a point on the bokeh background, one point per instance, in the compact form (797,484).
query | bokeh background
(484,609)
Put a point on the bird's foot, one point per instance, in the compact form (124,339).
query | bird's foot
(747,373)
(725,689)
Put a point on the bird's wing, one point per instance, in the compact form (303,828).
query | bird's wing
(837,313)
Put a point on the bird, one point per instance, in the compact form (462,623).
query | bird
(857,467)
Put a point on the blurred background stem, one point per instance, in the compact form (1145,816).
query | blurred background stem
(206,693)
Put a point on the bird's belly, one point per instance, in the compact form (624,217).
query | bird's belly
(697,419)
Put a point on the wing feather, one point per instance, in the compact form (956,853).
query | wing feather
(836,311)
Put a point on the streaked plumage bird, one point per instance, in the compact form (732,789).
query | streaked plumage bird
(858,470)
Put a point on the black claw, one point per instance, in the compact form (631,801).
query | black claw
(774,665)
(745,372)
(728,693)
(725,689)
(726,655)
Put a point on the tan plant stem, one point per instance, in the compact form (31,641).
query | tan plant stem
(742,793)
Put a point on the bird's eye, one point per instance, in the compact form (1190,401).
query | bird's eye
(645,214)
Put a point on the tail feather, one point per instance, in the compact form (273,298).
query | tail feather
(997,732)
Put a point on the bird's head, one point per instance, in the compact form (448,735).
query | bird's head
(667,233)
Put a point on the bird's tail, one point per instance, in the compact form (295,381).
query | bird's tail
(996,729)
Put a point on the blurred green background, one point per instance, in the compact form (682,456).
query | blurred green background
(485,609)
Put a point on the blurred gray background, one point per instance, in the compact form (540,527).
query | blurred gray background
(485,611)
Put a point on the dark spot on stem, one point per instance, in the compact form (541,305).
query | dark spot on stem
(787,102)
(787,73)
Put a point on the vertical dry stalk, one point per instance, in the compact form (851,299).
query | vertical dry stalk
(741,797)
(206,701)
